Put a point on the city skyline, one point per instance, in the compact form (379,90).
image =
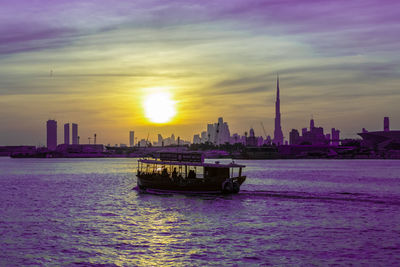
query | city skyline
(213,60)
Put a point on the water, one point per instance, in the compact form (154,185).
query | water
(298,213)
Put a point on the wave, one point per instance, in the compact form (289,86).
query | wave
(336,196)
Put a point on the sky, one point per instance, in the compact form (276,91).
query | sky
(94,62)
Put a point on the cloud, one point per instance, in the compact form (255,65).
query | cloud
(220,56)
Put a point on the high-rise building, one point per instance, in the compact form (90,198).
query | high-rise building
(312,124)
(75,137)
(160,140)
(218,133)
(51,128)
(66,133)
(386,124)
(294,137)
(278,135)
(196,139)
(335,137)
(203,136)
(210,133)
(131,138)
(251,140)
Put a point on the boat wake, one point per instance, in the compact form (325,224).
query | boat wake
(289,195)
(336,196)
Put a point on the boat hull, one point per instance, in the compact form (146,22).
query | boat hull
(156,182)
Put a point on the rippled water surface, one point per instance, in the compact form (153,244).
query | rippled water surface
(297,213)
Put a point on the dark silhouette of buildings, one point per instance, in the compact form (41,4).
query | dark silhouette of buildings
(314,136)
(251,140)
(75,137)
(278,135)
(386,124)
(196,139)
(9,150)
(66,133)
(335,138)
(51,128)
(381,140)
(294,137)
(131,138)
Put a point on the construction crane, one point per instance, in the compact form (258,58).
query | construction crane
(265,133)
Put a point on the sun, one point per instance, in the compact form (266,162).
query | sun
(159,107)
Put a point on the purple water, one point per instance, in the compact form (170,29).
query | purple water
(298,213)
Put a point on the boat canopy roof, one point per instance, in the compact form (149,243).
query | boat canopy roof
(201,164)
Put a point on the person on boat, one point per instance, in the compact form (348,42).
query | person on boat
(164,172)
(174,175)
(192,174)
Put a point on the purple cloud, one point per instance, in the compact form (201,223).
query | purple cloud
(24,38)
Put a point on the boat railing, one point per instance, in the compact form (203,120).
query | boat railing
(196,175)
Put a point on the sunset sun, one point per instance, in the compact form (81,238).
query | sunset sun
(159,107)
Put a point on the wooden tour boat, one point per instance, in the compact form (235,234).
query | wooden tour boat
(188,173)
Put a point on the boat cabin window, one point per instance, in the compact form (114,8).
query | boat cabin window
(213,172)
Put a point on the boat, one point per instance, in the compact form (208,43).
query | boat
(188,173)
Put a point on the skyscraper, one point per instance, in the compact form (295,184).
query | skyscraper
(51,128)
(312,125)
(294,137)
(278,135)
(335,136)
(386,124)
(66,133)
(131,138)
(75,140)
(160,140)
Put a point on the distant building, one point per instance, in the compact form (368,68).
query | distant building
(51,127)
(203,137)
(268,140)
(224,133)
(66,134)
(80,149)
(328,137)
(75,137)
(314,136)
(210,133)
(218,133)
(380,140)
(278,135)
(312,124)
(235,139)
(9,150)
(131,138)
(251,140)
(143,143)
(196,139)
(294,137)
(260,141)
(335,137)
(386,127)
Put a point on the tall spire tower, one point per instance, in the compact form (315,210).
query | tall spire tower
(278,135)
